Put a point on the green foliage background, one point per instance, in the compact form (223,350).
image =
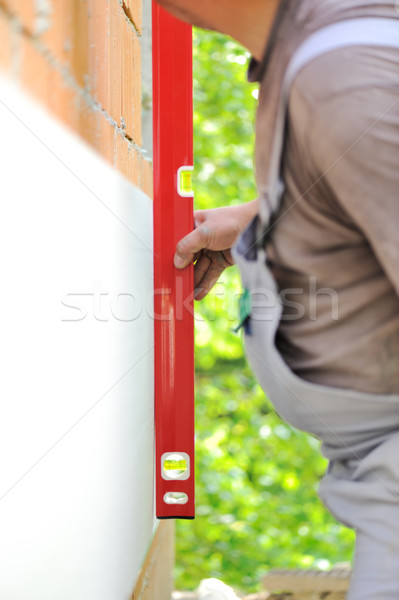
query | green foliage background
(257,478)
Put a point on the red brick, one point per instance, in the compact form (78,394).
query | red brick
(87,123)
(58,37)
(62,100)
(105,139)
(121,152)
(113,102)
(68,37)
(115,68)
(102,50)
(131,82)
(127,65)
(99,50)
(6,41)
(133,166)
(134,11)
(47,84)
(136,99)
(80,42)
(24,10)
(35,72)
(145,177)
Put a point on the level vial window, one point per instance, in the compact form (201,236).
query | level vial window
(175,498)
(175,465)
(184,182)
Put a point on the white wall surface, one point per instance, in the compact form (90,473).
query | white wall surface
(76,365)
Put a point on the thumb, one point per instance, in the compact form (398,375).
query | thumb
(190,245)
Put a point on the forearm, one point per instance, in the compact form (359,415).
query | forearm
(247,212)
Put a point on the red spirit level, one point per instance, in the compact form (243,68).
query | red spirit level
(173,289)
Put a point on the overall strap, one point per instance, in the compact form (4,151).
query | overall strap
(380,32)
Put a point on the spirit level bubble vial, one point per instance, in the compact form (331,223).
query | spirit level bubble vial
(173,304)
(175,465)
(184,182)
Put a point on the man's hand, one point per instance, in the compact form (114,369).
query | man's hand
(209,244)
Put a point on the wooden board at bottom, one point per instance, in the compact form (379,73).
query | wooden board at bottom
(155,581)
(308,584)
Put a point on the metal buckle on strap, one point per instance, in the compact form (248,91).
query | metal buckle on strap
(264,232)
(271,200)
(244,312)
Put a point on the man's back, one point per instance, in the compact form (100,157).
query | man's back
(335,242)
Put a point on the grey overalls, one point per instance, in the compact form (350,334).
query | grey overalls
(359,431)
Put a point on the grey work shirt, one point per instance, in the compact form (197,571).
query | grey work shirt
(334,248)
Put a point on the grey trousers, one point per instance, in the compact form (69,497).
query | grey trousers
(364,494)
(359,434)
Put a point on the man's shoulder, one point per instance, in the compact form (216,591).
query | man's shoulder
(344,91)
(343,71)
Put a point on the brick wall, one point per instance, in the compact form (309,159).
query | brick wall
(82,60)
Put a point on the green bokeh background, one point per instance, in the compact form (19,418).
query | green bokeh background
(257,478)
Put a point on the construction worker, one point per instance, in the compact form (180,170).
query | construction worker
(319,251)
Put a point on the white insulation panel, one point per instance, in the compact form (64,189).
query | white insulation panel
(76,349)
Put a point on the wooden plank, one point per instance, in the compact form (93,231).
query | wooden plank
(336,580)
(155,580)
